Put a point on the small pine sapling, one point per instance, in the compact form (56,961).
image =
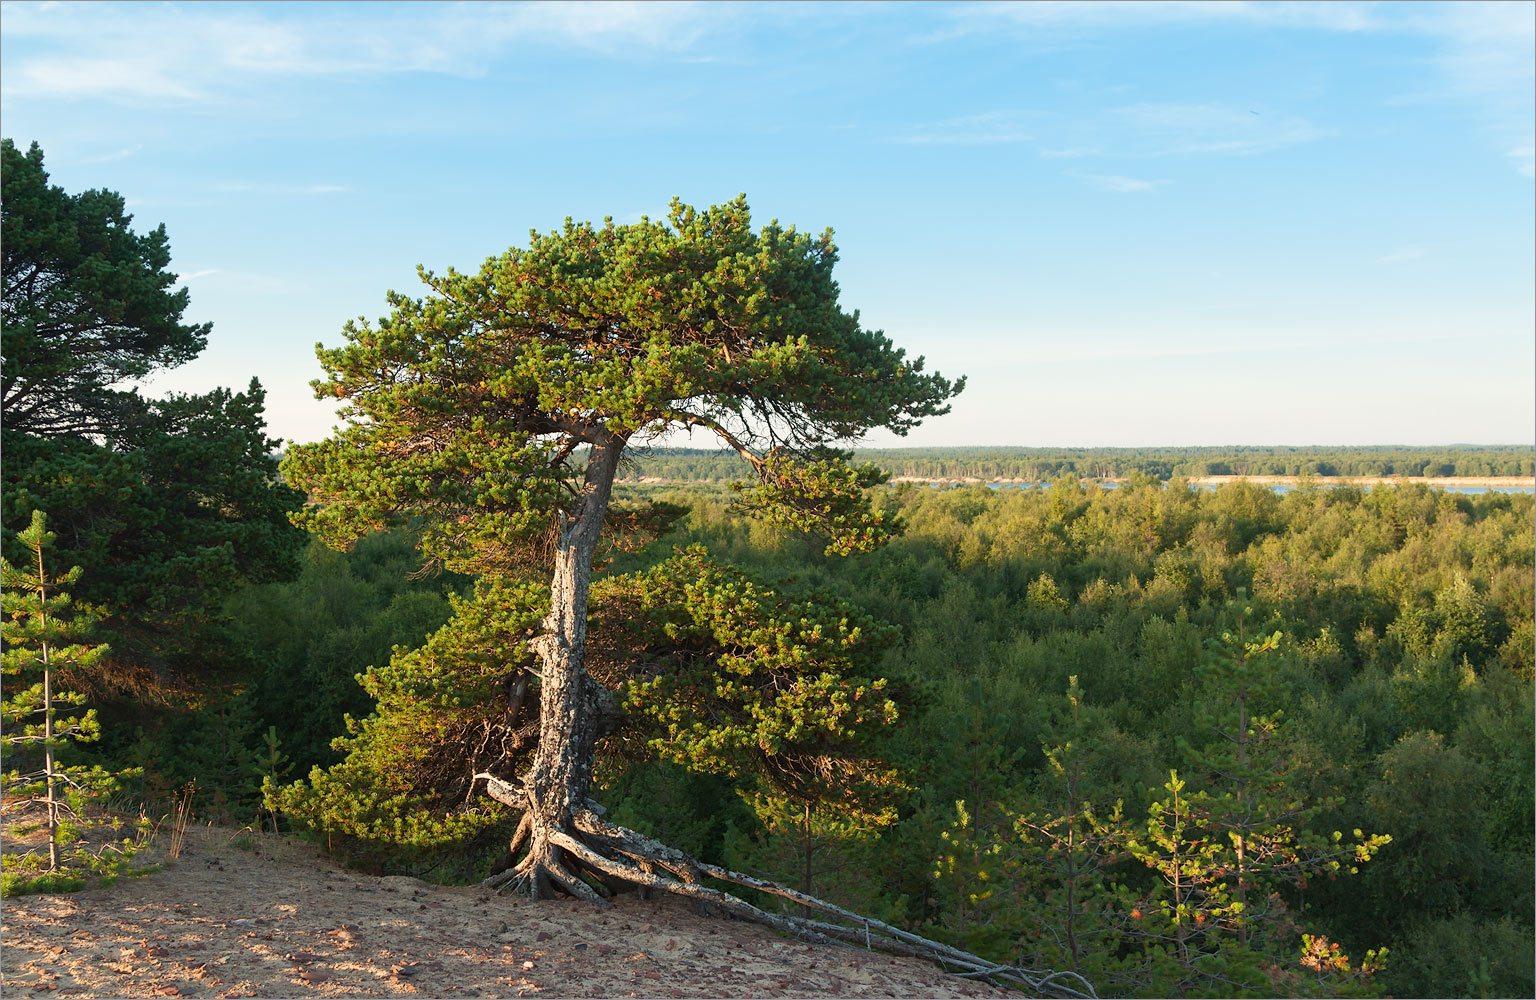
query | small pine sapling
(1227,854)
(45,633)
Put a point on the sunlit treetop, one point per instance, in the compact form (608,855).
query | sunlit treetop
(469,405)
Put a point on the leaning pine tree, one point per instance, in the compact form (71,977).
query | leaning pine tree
(495,412)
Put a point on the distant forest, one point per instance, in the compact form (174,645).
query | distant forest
(1044,465)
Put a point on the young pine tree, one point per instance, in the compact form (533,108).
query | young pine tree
(1216,921)
(1071,921)
(46,632)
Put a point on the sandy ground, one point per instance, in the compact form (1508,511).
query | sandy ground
(279,919)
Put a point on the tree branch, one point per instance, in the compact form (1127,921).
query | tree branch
(694,420)
(867,930)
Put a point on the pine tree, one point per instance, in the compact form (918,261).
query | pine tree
(712,670)
(499,407)
(1225,855)
(168,505)
(1072,921)
(88,304)
(45,632)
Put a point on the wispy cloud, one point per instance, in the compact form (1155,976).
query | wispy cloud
(96,76)
(1488,57)
(120,154)
(1483,52)
(1525,159)
(1118,184)
(1485,48)
(1411,251)
(1174,129)
(1136,131)
(985,129)
(285,189)
(200,52)
(1069,18)
(198,274)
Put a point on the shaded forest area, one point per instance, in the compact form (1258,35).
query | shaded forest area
(1045,465)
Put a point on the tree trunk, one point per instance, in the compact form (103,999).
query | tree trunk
(48,773)
(572,709)
(564,831)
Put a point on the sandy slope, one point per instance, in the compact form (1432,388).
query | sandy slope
(281,920)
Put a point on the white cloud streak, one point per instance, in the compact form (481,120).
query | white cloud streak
(1489,59)
(1484,52)
(990,128)
(1182,129)
(284,189)
(1525,159)
(1412,251)
(197,53)
(1118,184)
(120,154)
(1072,18)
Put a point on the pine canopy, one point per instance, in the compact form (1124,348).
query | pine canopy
(467,405)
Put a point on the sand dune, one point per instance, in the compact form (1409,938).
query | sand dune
(280,919)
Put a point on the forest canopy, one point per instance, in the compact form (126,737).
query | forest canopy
(1060,651)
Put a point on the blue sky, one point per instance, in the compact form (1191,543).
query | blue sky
(1127,224)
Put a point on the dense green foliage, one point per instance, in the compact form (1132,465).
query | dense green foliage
(87,304)
(1395,700)
(1045,465)
(291,655)
(343,613)
(716,672)
(167,505)
(596,334)
(179,511)
(1399,691)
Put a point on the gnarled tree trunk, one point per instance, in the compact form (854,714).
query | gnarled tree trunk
(574,710)
(565,833)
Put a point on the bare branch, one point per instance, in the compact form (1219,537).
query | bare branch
(501,791)
(693,420)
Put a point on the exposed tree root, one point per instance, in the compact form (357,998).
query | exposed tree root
(613,855)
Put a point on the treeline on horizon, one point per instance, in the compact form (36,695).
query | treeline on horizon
(1044,465)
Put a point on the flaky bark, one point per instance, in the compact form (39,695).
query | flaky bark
(571,848)
(48,771)
(573,708)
